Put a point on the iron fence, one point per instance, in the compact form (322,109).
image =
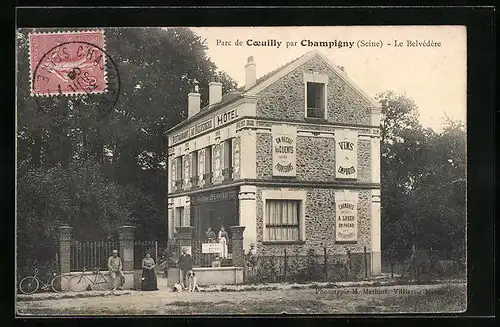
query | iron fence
(95,254)
(310,267)
(143,247)
(91,254)
(206,259)
(418,264)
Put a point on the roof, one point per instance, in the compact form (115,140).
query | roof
(274,72)
(270,78)
(226,99)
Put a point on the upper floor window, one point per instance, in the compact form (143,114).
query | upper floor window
(208,165)
(179,169)
(315,94)
(194,169)
(228,159)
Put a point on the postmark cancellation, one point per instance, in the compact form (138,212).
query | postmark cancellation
(67,63)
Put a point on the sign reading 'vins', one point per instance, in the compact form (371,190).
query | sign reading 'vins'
(346,152)
(284,151)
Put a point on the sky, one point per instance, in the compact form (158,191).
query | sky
(435,77)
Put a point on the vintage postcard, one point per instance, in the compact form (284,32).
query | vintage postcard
(241,170)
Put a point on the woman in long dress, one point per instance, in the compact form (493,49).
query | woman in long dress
(223,241)
(149,282)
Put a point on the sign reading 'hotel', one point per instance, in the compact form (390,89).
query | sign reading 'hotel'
(284,152)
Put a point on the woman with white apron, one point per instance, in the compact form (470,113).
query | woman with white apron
(223,242)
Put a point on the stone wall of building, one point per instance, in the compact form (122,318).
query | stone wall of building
(319,224)
(285,98)
(315,158)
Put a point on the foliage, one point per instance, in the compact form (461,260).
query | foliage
(422,179)
(94,172)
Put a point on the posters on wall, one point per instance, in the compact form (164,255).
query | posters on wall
(346,154)
(284,150)
(346,216)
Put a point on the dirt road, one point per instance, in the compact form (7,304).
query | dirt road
(384,299)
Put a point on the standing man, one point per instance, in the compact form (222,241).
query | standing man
(223,242)
(185,264)
(115,269)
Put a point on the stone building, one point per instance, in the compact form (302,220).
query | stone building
(293,156)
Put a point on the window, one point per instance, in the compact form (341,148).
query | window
(179,171)
(208,165)
(282,221)
(194,164)
(179,214)
(315,93)
(194,169)
(228,154)
(228,159)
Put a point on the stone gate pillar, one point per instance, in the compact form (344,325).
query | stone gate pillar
(126,238)
(64,237)
(237,246)
(184,238)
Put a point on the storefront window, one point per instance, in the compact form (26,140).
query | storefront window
(282,220)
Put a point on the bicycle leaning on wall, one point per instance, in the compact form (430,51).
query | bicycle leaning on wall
(82,281)
(31,284)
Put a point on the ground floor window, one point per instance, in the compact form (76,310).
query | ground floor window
(282,220)
(178,217)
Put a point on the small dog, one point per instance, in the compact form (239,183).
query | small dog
(178,287)
(193,286)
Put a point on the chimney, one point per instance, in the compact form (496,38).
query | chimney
(214,93)
(250,73)
(194,100)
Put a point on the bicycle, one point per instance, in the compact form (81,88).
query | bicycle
(82,282)
(31,284)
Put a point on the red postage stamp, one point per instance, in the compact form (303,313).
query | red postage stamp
(67,63)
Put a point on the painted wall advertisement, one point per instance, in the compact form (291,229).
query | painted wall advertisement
(284,151)
(346,154)
(346,220)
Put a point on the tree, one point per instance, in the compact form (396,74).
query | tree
(95,172)
(422,178)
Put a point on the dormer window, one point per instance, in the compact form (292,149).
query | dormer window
(315,95)
(315,100)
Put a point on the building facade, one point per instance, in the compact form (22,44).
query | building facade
(294,156)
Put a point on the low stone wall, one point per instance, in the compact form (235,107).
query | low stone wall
(207,276)
(129,278)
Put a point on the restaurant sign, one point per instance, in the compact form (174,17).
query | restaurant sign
(284,151)
(231,194)
(346,154)
(211,123)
